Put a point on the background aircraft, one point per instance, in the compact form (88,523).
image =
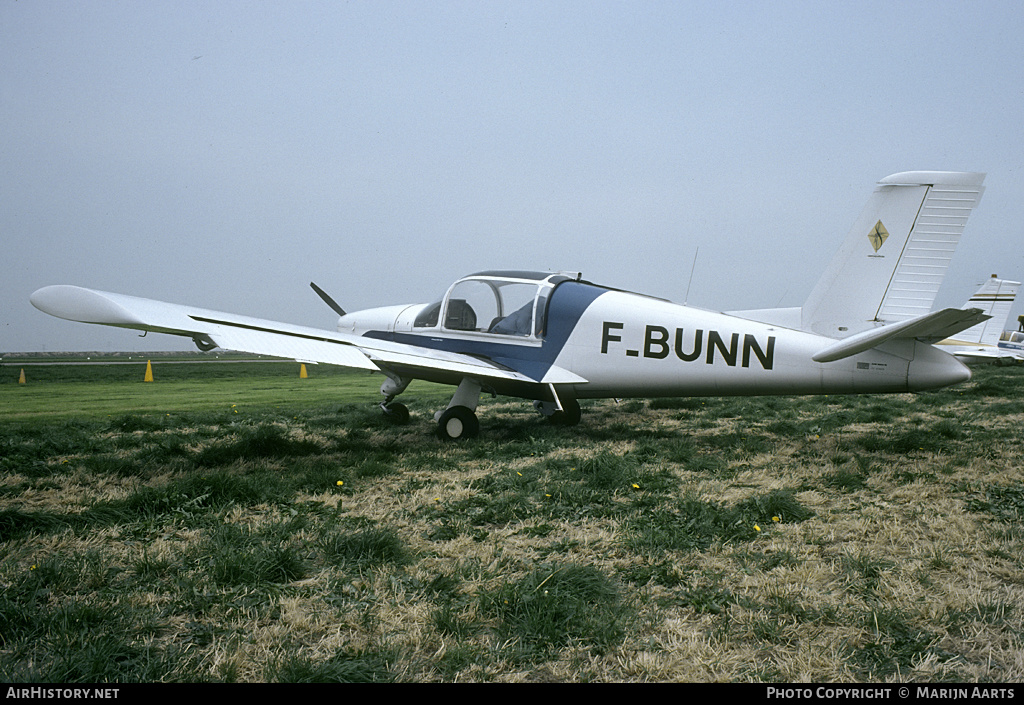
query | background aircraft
(1012,342)
(979,344)
(554,338)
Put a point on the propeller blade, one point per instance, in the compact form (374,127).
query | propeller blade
(327,299)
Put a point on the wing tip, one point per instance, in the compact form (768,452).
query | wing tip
(75,303)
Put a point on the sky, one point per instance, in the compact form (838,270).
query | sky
(225,154)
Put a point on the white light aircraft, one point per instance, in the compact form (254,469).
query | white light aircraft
(867,326)
(980,344)
(1012,341)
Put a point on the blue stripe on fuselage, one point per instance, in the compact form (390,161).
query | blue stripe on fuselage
(566,305)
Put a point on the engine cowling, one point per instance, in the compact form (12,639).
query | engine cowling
(385,319)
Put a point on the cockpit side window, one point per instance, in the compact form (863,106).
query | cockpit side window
(516,323)
(427,318)
(460,315)
(471,305)
(490,304)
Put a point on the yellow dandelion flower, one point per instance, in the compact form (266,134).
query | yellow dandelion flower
(636,486)
(756,527)
(775,519)
(340,483)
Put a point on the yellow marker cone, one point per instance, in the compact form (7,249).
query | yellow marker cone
(21,379)
(302,372)
(149,372)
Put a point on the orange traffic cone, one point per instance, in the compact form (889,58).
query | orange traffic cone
(21,379)
(149,372)
(302,372)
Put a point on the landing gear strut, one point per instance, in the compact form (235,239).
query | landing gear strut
(391,388)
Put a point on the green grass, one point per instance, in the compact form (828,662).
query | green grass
(61,391)
(232,522)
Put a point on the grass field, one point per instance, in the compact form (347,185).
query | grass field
(231,522)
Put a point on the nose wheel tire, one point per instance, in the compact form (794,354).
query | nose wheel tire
(570,414)
(457,423)
(397,412)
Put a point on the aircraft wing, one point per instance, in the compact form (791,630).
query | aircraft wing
(984,355)
(928,328)
(253,335)
(978,355)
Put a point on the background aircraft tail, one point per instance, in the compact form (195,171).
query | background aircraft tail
(995,298)
(892,263)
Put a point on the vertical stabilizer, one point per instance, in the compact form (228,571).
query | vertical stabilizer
(892,263)
(995,298)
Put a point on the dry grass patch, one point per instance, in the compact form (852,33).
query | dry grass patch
(791,539)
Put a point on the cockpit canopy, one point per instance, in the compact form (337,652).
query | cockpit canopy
(505,303)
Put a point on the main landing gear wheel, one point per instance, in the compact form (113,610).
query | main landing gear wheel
(457,423)
(397,412)
(570,414)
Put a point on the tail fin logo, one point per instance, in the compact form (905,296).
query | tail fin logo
(878,235)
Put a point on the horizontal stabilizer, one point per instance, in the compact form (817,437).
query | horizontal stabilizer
(929,328)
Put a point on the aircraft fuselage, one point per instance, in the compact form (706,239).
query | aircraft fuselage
(630,345)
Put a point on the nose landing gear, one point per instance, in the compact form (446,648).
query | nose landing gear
(569,415)
(396,411)
(391,388)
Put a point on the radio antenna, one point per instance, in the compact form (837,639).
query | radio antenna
(692,267)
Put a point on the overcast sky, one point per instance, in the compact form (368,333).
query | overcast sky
(225,154)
